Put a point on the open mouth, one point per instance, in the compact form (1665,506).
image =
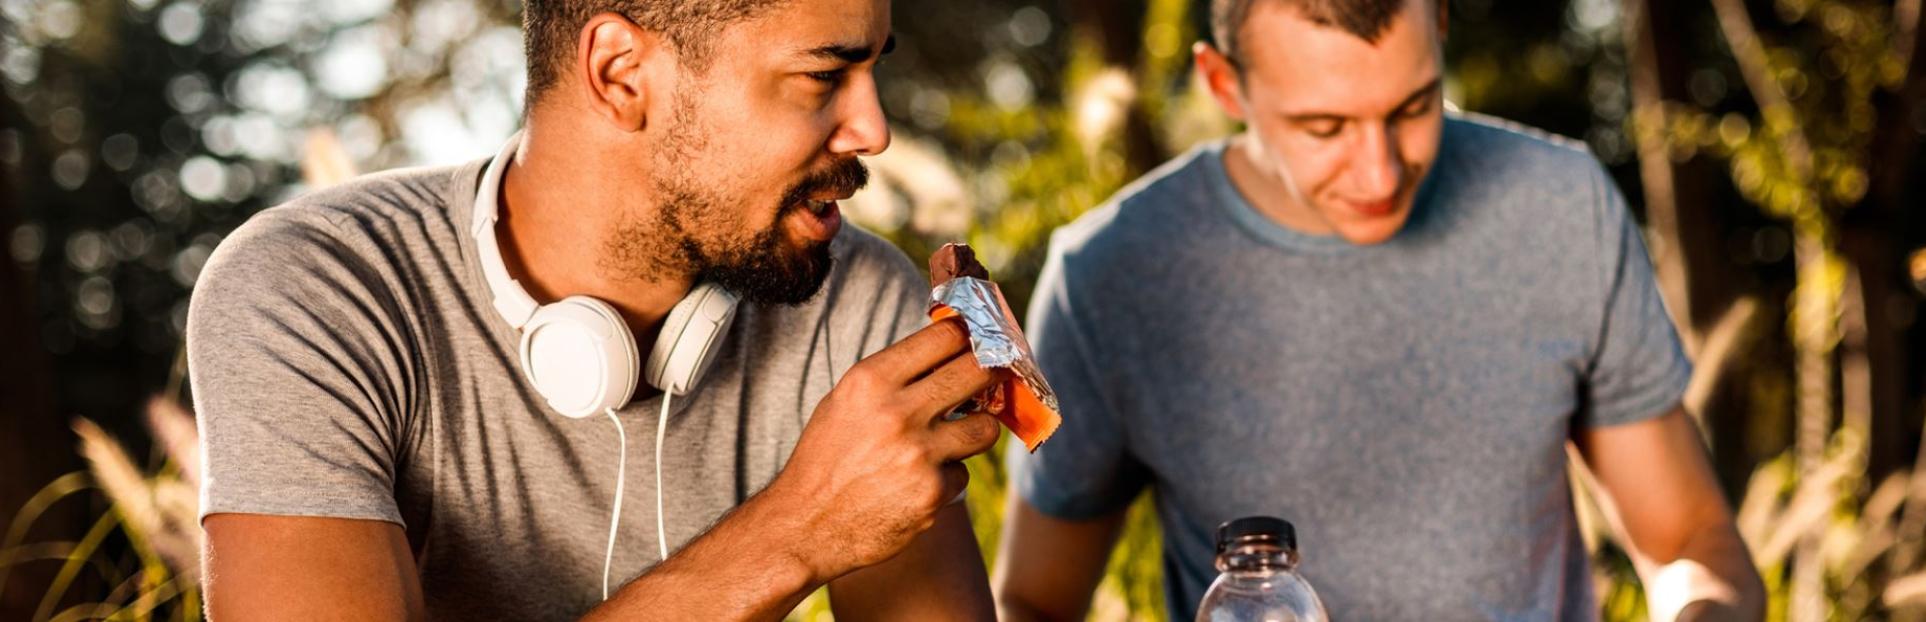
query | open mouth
(818,220)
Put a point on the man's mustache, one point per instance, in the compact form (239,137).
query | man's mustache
(843,177)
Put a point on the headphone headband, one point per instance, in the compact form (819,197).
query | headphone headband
(510,300)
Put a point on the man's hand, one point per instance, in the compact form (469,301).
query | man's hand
(871,471)
(877,459)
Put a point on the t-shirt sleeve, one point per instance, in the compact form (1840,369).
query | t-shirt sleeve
(298,368)
(1638,369)
(1085,470)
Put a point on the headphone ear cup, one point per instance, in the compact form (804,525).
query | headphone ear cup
(690,338)
(580,356)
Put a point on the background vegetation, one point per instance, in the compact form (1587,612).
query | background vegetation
(1772,147)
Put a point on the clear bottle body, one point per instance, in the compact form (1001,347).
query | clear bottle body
(1258,582)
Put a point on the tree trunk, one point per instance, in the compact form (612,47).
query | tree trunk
(1678,200)
(1814,328)
(35,447)
(1872,338)
(1117,29)
(1686,230)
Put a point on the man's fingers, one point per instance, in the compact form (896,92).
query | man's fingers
(955,440)
(956,477)
(952,383)
(920,352)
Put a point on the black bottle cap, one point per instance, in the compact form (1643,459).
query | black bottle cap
(1256,529)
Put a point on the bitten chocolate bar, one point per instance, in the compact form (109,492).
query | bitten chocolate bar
(961,287)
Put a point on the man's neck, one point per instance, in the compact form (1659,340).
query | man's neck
(1266,192)
(558,207)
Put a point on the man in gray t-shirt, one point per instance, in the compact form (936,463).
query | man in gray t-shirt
(1380,322)
(378,445)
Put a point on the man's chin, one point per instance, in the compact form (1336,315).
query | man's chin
(792,279)
(1373,231)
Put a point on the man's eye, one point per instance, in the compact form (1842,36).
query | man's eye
(831,77)
(1327,129)
(1417,109)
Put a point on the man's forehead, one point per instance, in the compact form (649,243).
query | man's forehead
(803,28)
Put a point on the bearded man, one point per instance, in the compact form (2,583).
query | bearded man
(382,368)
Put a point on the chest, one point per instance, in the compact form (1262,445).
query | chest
(1306,363)
(506,492)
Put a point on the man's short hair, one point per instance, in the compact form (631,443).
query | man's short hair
(1368,19)
(549,28)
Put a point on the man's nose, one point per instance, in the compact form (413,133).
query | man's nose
(863,130)
(1378,165)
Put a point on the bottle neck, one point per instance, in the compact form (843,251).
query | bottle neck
(1257,557)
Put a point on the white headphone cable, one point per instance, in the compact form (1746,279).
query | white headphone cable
(621,475)
(661,526)
(615,517)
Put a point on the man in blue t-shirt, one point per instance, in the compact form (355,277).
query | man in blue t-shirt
(1380,322)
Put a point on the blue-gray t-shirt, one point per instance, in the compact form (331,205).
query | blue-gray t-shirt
(1406,405)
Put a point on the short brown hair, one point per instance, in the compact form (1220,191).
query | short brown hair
(1368,19)
(549,28)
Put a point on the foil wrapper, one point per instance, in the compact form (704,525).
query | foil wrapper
(994,336)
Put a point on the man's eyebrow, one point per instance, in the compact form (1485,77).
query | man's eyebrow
(1422,92)
(1316,117)
(851,53)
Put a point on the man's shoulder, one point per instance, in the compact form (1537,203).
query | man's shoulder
(382,209)
(407,194)
(1498,153)
(1506,137)
(1518,180)
(1142,212)
(358,226)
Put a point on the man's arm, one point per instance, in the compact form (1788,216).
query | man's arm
(265,567)
(1047,567)
(939,577)
(1658,491)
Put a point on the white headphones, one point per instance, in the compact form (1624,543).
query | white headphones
(581,357)
(578,352)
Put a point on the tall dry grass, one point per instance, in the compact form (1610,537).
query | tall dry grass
(156,514)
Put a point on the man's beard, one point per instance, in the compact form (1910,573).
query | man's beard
(766,269)
(695,233)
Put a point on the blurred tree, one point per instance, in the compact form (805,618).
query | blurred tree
(1833,87)
(27,418)
(1718,315)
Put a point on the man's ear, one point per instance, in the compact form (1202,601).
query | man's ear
(616,61)
(1220,76)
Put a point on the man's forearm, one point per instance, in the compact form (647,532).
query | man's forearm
(745,568)
(1712,579)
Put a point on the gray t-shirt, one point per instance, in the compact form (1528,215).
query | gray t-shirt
(347,363)
(1406,405)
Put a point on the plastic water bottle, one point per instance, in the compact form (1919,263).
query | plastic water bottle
(1258,580)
